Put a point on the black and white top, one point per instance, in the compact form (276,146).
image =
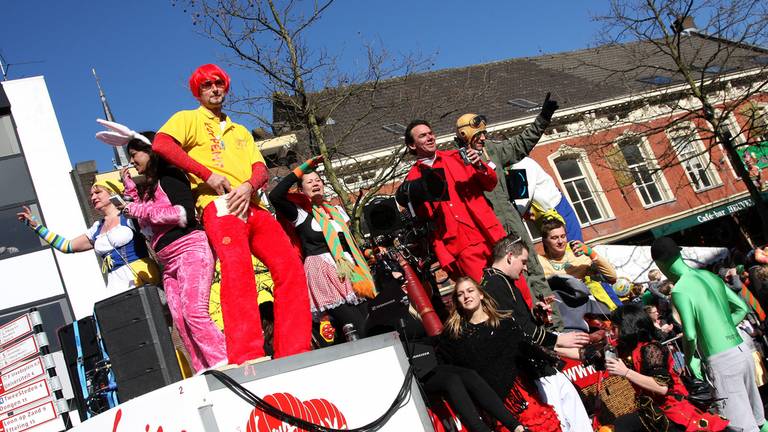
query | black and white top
(308,229)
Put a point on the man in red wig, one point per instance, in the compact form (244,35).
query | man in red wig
(226,169)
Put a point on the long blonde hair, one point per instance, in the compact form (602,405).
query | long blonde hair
(459,317)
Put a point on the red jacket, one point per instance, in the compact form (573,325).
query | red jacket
(466,218)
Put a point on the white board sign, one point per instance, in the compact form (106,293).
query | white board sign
(21,374)
(25,395)
(19,351)
(40,417)
(15,329)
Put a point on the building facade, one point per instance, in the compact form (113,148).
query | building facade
(35,171)
(630,151)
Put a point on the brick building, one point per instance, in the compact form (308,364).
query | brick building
(627,149)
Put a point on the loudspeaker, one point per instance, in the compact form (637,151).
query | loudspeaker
(92,355)
(137,339)
(382,216)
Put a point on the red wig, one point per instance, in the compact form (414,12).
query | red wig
(207,72)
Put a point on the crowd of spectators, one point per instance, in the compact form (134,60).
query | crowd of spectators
(499,360)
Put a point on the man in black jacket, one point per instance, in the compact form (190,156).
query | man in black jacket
(510,258)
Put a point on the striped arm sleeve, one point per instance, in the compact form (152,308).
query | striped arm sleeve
(58,242)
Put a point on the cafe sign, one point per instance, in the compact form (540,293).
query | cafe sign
(725,210)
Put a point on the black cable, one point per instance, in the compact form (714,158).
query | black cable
(400,400)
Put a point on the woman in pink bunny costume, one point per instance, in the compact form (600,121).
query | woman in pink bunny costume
(165,209)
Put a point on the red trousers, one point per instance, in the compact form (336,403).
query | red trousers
(234,241)
(470,262)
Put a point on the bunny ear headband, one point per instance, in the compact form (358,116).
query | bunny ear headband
(119,135)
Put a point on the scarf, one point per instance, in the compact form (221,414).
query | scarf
(358,273)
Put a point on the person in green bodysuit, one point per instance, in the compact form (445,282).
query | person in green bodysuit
(708,311)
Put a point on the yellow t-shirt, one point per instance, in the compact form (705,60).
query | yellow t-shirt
(229,152)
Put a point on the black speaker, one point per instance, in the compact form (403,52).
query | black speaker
(382,216)
(92,356)
(137,339)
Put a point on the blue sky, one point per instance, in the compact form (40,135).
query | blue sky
(144,50)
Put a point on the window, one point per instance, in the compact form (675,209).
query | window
(579,189)
(657,80)
(9,145)
(647,179)
(755,133)
(16,238)
(759,125)
(694,159)
(13,171)
(524,104)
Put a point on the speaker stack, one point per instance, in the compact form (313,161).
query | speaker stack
(92,364)
(136,337)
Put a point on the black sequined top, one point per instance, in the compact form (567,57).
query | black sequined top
(492,352)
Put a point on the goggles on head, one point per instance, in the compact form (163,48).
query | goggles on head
(476,122)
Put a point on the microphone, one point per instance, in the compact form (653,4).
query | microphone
(463,151)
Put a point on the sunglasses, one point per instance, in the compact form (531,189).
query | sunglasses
(207,85)
(476,121)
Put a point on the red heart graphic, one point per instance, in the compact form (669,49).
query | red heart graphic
(317,411)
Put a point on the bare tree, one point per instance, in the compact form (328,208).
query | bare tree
(690,81)
(305,87)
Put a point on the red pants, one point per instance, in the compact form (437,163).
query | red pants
(470,261)
(234,241)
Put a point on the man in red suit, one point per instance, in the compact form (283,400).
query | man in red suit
(447,188)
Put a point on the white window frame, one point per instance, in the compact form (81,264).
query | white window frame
(651,164)
(697,155)
(737,134)
(589,176)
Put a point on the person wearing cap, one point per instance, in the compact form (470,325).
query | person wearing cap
(448,192)
(226,169)
(709,312)
(114,238)
(500,156)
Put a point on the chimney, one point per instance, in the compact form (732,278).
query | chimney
(684,25)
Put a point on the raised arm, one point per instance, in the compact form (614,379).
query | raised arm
(519,146)
(279,194)
(178,213)
(130,190)
(78,244)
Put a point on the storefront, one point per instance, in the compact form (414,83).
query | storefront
(728,225)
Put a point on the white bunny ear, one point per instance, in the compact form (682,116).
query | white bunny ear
(141,138)
(113,138)
(119,135)
(117,127)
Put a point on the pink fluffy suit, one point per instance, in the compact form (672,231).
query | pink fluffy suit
(187,272)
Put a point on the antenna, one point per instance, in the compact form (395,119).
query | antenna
(121,158)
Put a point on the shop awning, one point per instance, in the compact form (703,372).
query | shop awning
(704,216)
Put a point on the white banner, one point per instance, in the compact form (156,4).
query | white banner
(19,351)
(26,395)
(21,374)
(15,329)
